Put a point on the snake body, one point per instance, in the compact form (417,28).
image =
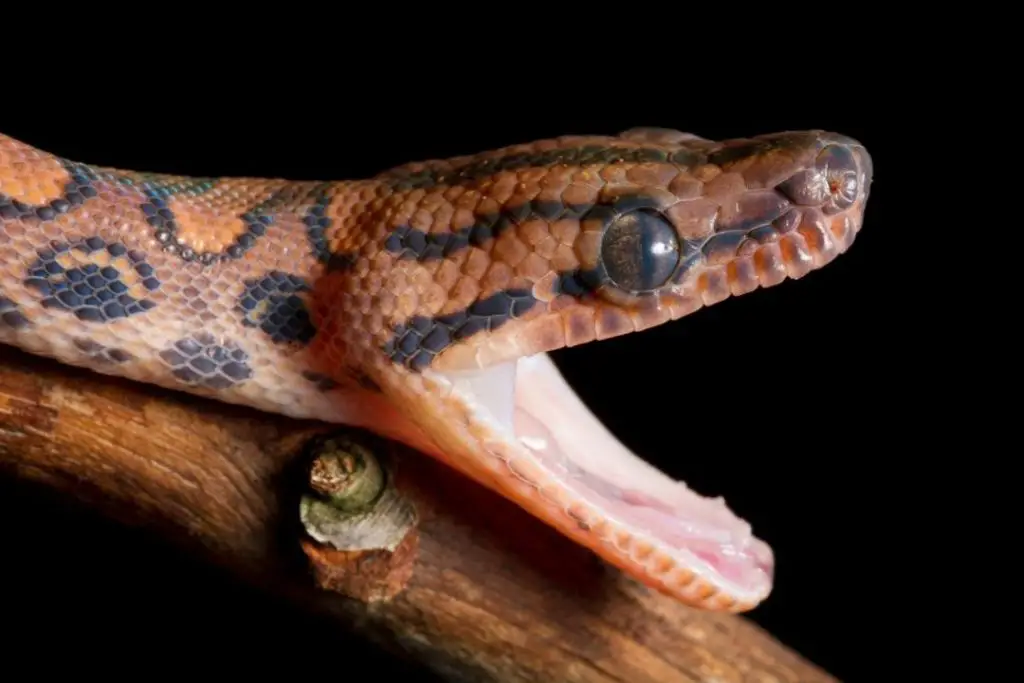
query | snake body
(419,303)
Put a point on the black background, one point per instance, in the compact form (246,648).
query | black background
(780,400)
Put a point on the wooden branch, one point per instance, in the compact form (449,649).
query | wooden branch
(475,589)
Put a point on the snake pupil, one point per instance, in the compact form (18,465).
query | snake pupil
(640,251)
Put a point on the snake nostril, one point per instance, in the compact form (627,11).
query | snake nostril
(839,166)
(833,183)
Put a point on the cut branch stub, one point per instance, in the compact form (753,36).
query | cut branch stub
(364,529)
(346,474)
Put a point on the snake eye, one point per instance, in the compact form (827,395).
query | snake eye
(640,251)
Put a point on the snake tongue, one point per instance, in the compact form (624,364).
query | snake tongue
(551,427)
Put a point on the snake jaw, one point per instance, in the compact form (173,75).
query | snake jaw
(531,437)
(546,451)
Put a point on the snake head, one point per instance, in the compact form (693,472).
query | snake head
(681,223)
(495,259)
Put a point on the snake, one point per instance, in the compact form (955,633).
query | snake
(422,304)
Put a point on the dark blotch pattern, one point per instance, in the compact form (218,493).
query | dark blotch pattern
(10,316)
(325,383)
(410,243)
(416,343)
(102,354)
(201,361)
(578,283)
(92,291)
(365,381)
(758,147)
(322,381)
(340,262)
(272,303)
(406,179)
(318,224)
(76,191)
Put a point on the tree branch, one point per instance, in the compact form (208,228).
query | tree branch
(465,582)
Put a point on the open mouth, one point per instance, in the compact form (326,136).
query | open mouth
(578,465)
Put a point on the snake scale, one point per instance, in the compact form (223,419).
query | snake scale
(420,303)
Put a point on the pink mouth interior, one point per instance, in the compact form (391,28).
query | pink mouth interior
(532,399)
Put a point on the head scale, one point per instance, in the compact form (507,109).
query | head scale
(565,241)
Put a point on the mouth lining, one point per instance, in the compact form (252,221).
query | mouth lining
(577,464)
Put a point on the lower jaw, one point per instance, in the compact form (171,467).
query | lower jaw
(553,457)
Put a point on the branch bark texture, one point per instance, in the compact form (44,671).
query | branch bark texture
(477,590)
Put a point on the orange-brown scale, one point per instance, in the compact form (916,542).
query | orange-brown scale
(700,199)
(31,176)
(191,298)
